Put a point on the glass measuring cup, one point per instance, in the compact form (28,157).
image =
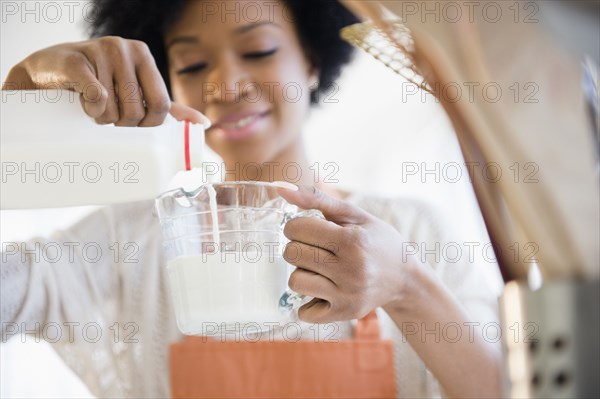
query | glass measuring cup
(223,244)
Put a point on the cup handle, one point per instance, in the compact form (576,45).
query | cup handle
(291,300)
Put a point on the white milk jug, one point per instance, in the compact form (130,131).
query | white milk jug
(53,154)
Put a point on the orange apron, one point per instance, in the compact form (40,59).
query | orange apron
(362,367)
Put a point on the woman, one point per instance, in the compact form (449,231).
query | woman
(235,66)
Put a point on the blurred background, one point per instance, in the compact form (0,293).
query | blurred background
(365,136)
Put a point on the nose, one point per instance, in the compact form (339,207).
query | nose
(227,81)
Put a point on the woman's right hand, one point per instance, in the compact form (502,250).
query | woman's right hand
(117,79)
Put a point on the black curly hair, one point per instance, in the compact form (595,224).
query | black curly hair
(317,23)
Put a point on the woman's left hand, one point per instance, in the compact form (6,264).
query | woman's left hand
(350,263)
(355,263)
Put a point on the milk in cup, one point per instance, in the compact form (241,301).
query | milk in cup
(223,246)
(227,289)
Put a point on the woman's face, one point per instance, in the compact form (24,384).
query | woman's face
(242,65)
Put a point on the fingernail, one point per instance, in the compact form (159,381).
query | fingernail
(207,123)
(286,185)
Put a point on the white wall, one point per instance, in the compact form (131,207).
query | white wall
(370,133)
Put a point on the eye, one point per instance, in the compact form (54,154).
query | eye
(260,54)
(191,69)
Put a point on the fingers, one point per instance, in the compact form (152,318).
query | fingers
(155,94)
(94,108)
(315,232)
(333,209)
(337,309)
(311,284)
(134,91)
(117,79)
(107,80)
(328,303)
(311,258)
(316,311)
(183,112)
(129,97)
(81,77)
(326,236)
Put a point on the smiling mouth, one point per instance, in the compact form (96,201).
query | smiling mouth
(242,128)
(241,123)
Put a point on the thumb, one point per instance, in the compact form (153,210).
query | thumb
(93,96)
(333,209)
(182,112)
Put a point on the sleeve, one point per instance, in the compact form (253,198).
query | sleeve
(75,275)
(467,268)
(470,276)
(71,288)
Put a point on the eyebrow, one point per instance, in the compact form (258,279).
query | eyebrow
(246,28)
(240,30)
(182,39)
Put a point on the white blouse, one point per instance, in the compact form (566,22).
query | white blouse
(105,306)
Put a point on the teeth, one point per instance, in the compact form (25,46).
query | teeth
(241,123)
